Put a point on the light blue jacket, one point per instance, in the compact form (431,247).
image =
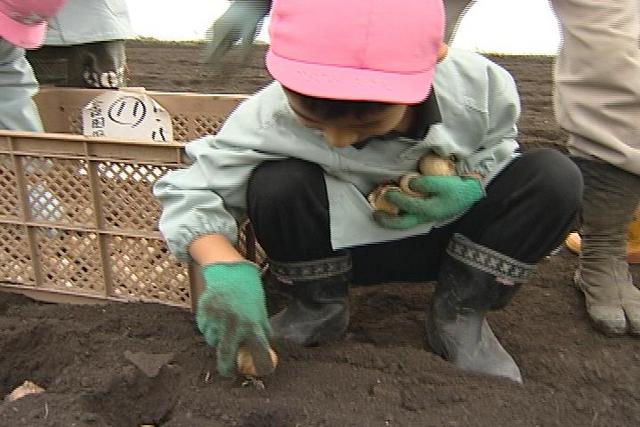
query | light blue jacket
(17,87)
(88,21)
(479,106)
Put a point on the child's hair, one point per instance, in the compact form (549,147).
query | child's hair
(331,109)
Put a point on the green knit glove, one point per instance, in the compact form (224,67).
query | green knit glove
(445,198)
(232,312)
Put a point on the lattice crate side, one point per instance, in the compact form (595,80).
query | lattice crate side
(10,208)
(193,115)
(71,261)
(75,119)
(143,269)
(189,126)
(59,190)
(206,124)
(16,266)
(186,126)
(126,191)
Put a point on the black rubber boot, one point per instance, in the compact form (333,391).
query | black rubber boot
(319,309)
(456,326)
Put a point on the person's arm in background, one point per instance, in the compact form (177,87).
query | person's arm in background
(241,21)
(22,26)
(454,11)
(18,85)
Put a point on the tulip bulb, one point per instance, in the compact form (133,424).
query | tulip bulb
(246,365)
(432,164)
(378,202)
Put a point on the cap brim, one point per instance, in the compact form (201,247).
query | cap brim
(28,36)
(335,82)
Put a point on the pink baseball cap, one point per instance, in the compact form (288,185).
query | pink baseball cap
(24,22)
(367,50)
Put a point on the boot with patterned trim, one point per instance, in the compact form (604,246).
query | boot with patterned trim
(467,289)
(318,309)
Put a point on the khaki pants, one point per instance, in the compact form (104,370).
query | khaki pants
(597,79)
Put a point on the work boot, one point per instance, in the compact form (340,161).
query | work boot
(318,310)
(574,242)
(456,325)
(610,199)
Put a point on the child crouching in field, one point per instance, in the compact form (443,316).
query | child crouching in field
(364,89)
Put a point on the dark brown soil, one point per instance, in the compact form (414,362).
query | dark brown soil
(130,364)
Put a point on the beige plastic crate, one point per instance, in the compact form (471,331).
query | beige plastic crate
(78,220)
(192,114)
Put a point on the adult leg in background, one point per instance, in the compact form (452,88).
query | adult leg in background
(597,100)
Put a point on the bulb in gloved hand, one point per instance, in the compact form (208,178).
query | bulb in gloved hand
(404,184)
(246,365)
(432,164)
(378,202)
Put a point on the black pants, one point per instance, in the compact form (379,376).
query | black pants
(528,210)
(81,65)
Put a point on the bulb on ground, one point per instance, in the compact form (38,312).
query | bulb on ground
(25,389)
